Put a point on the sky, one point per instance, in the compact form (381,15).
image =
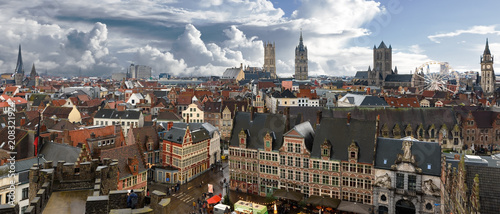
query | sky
(201,38)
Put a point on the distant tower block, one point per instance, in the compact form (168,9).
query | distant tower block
(270,59)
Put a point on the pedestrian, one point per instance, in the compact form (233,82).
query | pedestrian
(194,205)
(132,200)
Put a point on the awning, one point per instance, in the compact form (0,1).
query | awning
(287,194)
(355,207)
(323,201)
(214,200)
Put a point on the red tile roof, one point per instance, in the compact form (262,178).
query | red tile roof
(402,102)
(122,154)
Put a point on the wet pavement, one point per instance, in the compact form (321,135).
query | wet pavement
(67,202)
(182,200)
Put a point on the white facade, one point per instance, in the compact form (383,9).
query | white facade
(135,99)
(195,114)
(214,149)
(126,124)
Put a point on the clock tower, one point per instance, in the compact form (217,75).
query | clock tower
(487,72)
(301,68)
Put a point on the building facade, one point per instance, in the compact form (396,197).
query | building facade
(328,162)
(407,176)
(301,66)
(487,73)
(127,119)
(186,151)
(194,113)
(270,59)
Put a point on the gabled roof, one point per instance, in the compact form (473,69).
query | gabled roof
(122,154)
(59,112)
(60,152)
(114,114)
(257,129)
(427,155)
(398,78)
(212,107)
(484,119)
(303,130)
(340,135)
(170,116)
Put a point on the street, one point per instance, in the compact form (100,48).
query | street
(182,200)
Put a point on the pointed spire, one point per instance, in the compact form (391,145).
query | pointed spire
(369,68)
(33,71)
(487,48)
(382,45)
(396,69)
(19,65)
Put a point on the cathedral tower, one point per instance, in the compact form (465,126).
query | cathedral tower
(301,68)
(382,60)
(487,72)
(19,72)
(270,59)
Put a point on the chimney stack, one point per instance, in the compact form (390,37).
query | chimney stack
(456,157)
(319,116)
(170,124)
(252,113)
(287,121)
(349,118)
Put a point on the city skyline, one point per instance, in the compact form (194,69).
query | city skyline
(184,38)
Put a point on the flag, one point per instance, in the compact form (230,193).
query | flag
(37,137)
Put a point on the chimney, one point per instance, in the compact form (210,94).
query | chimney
(456,157)
(252,113)
(170,124)
(349,118)
(368,90)
(319,116)
(22,122)
(287,121)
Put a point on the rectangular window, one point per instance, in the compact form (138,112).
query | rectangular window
(326,180)
(325,166)
(290,174)
(297,176)
(315,164)
(25,193)
(297,161)
(315,178)
(335,181)
(306,162)
(400,181)
(282,160)
(289,147)
(412,182)
(297,148)
(335,167)
(290,161)
(306,177)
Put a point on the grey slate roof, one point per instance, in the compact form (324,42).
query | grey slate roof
(401,116)
(361,75)
(60,152)
(114,114)
(398,78)
(231,73)
(305,131)
(489,190)
(176,133)
(257,129)
(340,135)
(425,153)
(373,101)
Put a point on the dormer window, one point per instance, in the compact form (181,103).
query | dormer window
(353,151)
(325,150)
(243,138)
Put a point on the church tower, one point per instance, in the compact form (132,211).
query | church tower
(270,59)
(487,72)
(382,62)
(19,72)
(301,68)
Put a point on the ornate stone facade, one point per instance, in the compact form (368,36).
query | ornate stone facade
(270,59)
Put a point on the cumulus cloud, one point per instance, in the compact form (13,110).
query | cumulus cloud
(479,29)
(184,37)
